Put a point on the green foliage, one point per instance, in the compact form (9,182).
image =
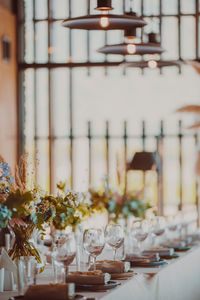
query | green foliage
(118,205)
(18,203)
(5,215)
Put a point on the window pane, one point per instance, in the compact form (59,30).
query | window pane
(170,41)
(28,9)
(29,102)
(151,7)
(43,165)
(79,45)
(188,37)
(81,164)
(41,9)
(41,40)
(60,98)
(59,43)
(136,6)
(79,8)
(170,7)
(62,161)
(188,6)
(29,42)
(59,9)
(97,40)
(42,98)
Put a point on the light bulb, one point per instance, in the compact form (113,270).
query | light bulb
(131,48)
(152,64)
(104,22)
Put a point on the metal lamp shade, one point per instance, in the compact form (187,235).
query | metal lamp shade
(92,22)
(145,161)
(140,49)
(144,64)
(104,5)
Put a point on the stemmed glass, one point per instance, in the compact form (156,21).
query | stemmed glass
(172,226)
(114,236)
(93,242)
(139,231)
(158,227)
(64,250)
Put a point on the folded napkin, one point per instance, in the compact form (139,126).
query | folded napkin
(7,263)
(160,250)
(2,280)
(90,277)
(174,244)
(50,292)
(142,258)
(187,240)
(112,267)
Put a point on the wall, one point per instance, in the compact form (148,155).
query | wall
(8,90)
(7,4)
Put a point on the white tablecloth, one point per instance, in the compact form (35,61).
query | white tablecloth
(179,280)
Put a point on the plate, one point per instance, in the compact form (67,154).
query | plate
(77,297)
(182,249)
(149,264)
(122,276)
(175,255)
(98,287)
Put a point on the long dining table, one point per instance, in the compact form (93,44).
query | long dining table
(179,279)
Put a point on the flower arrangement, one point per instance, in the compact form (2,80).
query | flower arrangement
(71,207)
(119,205)
(26,210)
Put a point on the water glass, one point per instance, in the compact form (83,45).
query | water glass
(93,243)
(114,236)
(64,250)
(139,231)
(26,273)
(158,227)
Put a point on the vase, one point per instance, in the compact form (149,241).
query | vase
(24,244)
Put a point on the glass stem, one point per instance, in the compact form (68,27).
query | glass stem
(139,247)
(115,253)
(94,259)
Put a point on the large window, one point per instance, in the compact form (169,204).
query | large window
(64,84)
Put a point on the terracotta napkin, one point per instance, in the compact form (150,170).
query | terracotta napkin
(160,250)
(50,292)
(90,277)
(174,244)
(112,267)
(142,258)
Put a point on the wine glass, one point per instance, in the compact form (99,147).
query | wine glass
(158,227)
(64,250)
(114,236)
(172,226)
(139,231)
(93,243)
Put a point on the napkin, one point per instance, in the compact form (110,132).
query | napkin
(174,244)
(50,292)
(1,280)
(9,284)
(112,267)
(90,277)
(142,258)
(160,250)
(7,263)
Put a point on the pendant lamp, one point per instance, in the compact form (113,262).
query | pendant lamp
(132,48)
(104,20)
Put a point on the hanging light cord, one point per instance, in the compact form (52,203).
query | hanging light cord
(131,5)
